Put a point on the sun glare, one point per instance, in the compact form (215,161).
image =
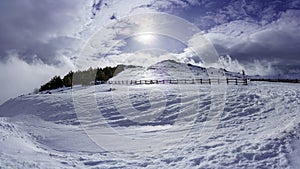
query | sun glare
(145,39)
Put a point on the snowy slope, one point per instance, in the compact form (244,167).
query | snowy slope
(154,126)
(170,69)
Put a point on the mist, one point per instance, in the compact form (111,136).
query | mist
(19,77)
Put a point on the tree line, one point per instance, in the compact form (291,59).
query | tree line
(90,76)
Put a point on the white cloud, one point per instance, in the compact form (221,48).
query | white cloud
(18,77)
(141,58)
(257,67)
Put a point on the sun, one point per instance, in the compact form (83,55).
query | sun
(145,39)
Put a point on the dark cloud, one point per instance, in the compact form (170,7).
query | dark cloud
(207,14)
(36,28)
(278,41)
(274,46)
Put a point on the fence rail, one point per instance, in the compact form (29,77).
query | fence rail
(234,81)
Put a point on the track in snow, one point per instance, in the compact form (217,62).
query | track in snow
(154,126)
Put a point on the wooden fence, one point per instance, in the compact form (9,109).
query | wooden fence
(277,80)
(233,81)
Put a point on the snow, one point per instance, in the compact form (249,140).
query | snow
(295,155)
(154,126)
(163,70)
(169,69)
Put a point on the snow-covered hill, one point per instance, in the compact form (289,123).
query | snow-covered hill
(169,69)
(154,126)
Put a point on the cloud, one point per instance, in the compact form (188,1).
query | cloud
(36,35)
(144,58)
(40,39)
(246,42)
(17,76)
(38,28)
(257,67)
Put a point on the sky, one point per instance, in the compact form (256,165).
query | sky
(43,38)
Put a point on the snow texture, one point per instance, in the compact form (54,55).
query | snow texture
(165,126)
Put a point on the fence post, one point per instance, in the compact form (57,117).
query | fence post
(245,81)
(236,81)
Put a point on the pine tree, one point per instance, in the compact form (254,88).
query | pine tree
(67,80)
